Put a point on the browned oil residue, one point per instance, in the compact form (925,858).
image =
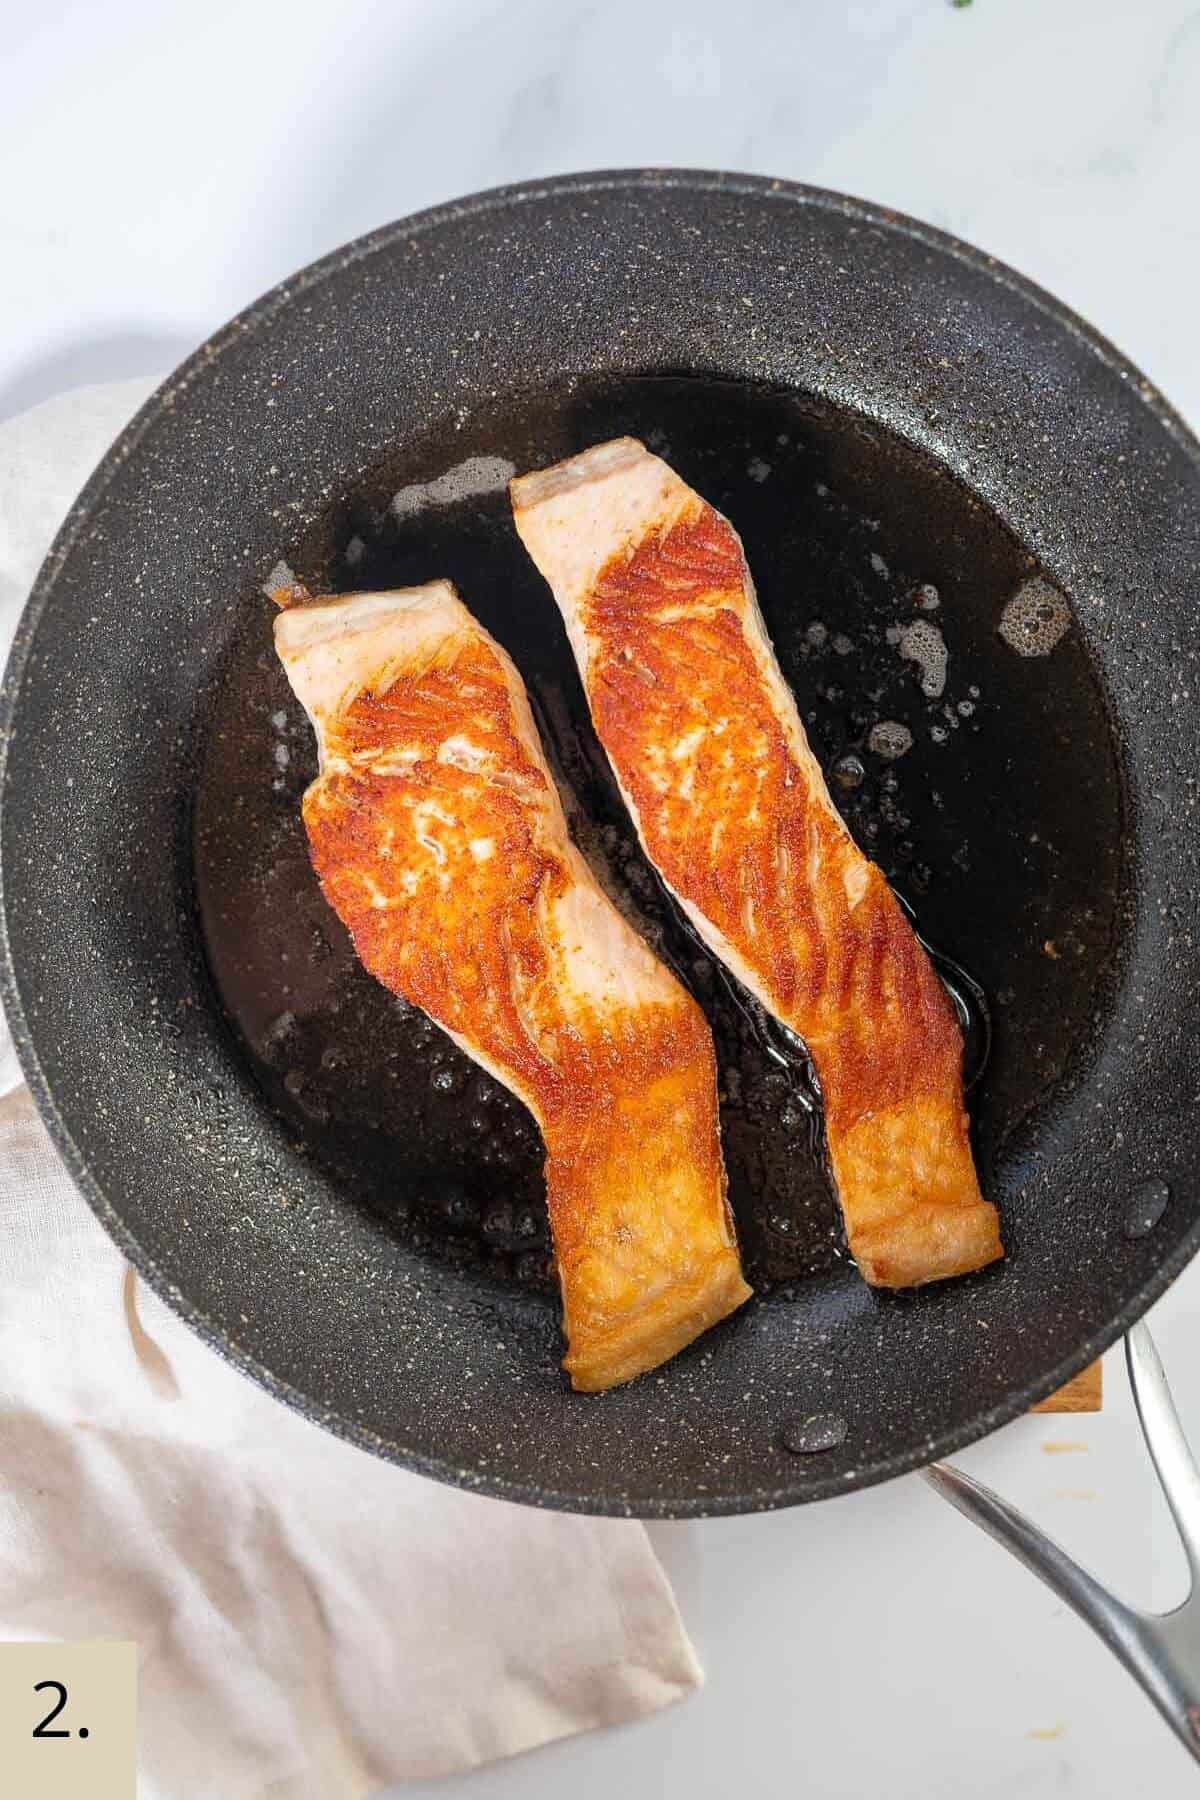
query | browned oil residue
(1063,1446)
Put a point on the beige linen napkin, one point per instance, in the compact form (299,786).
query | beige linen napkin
(312,1623)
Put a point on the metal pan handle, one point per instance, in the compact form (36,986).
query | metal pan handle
(1162,1650)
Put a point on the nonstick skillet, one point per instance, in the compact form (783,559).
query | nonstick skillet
(902,430)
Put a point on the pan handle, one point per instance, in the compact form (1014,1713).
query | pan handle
(1162,1650)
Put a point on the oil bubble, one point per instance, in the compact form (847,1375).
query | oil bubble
(1035,619)
(890,739)
(922,643)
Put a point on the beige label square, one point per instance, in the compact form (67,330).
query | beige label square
(94,1754)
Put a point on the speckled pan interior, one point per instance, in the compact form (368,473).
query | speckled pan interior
(908,435)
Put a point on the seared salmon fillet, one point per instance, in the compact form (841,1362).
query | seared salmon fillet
(704,737)
(439,839)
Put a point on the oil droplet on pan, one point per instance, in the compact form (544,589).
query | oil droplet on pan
(807,1436)
(1147,1204)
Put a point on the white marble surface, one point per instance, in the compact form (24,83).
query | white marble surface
(164,163)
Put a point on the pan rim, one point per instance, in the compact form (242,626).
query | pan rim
(258,317)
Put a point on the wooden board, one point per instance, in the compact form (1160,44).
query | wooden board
(1085,1393)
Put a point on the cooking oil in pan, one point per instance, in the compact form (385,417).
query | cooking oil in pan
(854,539)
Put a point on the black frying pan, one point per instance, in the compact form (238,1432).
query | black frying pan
(307,1170)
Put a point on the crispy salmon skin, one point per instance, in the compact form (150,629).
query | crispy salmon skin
(439,840)
(731,806)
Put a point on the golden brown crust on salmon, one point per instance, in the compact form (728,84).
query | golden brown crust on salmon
(439,839)
(732,808)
